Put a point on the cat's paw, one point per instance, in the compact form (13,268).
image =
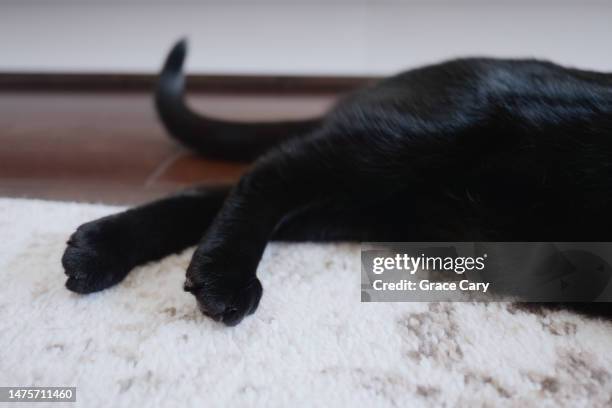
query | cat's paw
(222,297)
(94,258)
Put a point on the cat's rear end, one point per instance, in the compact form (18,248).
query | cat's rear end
(472,148)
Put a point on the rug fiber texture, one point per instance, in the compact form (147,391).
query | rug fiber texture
(310,343)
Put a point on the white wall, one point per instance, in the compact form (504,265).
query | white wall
(361,37)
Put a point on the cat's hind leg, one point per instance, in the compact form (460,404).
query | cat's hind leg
(222,273)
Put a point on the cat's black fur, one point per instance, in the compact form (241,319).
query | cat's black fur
(467,150)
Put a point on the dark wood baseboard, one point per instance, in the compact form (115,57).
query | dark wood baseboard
(100,82)
(74,138)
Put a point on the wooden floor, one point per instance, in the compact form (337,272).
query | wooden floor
(108,146)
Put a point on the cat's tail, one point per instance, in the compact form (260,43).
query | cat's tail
(213,137)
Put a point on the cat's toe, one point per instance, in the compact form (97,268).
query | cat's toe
(226,301)
(92,262)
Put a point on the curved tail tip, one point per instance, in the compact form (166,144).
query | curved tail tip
(181,45)
(176,57)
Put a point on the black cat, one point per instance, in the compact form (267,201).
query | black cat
(467,150)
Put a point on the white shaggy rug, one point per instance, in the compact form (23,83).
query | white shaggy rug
(310,343)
